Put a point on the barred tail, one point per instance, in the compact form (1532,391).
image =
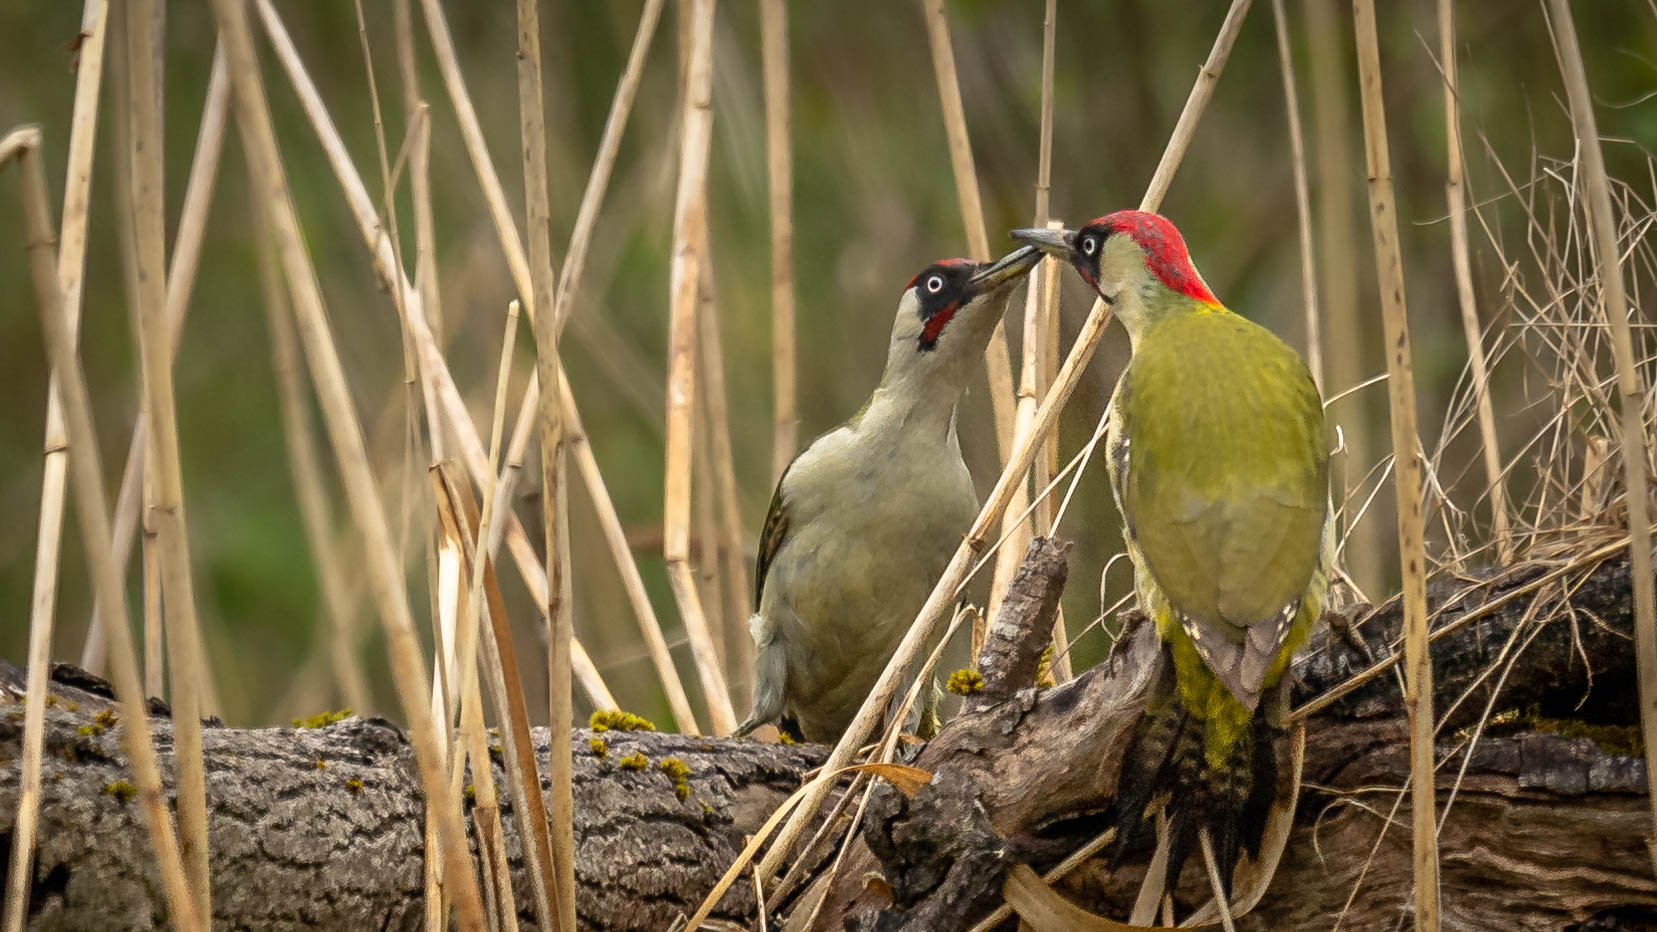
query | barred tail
(1222,780)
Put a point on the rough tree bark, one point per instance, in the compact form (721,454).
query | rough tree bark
(320,826)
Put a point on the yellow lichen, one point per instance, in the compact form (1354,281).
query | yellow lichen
(965,682)
(90,730)
(122,791)
(321,764)
(634,761)
(617,720)
(786,738)
(106,718)
(1044,668)
(680,772)
(471,793)
(322,718)
(598,747)
(354,785)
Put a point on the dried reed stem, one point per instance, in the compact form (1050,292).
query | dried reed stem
(1456,195)
(345,433)
(689,234)
(554,472)
(1631,393)
(305,464)
(24,146)
(425,239)
(1015,530)
(1408,468)
(505,684)
(1338,252)
(184,654)
(471,133)
(615,537)
(1303,197)
(181,276)
(779,160)
(998,360)
(486,815)
(83,131)
(725,503)
(433,365)
(598,180)
(960,566)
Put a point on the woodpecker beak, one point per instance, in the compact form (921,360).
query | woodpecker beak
(1060,243)
(1004,271)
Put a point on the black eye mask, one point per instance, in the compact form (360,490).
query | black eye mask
(942,289)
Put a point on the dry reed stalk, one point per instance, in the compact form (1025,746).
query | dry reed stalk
(1338,251)
(958,571)
(726,501)
(418,395)
(779,160)
(704,505)
(456,507)
(1016,533)
(615,537)
(345,434)
(448,397)
(471,133)
(474,743)
(1631,433)
(998,360)
(425,238)
(598,180)
(554,471)
(1303,197)
(431,356)
(569,279)
(23,145)
(1456,195)
(1407,472)
(181,276)
(83,131)
(184,653)
(689,233)
(305,465)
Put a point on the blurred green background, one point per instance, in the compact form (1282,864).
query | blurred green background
(874,201)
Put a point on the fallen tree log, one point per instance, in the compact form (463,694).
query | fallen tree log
(322,826)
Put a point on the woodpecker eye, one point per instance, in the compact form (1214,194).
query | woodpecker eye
(1090,244)
(934,284)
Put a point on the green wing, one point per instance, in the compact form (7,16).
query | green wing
(1225,482)
(771,536)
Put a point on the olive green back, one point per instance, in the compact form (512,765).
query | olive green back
(1226,488)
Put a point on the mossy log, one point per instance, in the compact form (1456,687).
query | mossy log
(321,827)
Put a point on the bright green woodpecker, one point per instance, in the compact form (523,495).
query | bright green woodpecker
(865,520)
(1219,465)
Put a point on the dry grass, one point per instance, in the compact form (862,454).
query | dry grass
(23,145)
(1408,468)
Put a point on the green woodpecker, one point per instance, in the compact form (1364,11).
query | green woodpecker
(1219,465)
(864,521)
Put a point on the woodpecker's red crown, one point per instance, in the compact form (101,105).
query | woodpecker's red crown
(1165,253)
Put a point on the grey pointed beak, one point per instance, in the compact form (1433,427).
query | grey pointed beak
(1005,270)
(1058,243)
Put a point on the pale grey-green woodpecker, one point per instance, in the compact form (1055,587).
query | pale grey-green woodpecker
(1220,467)
(864,521)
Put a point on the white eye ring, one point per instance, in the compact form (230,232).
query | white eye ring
(1089,244)
(935,284)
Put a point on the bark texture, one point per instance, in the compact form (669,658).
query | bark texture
(322,826)
(1547,829)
